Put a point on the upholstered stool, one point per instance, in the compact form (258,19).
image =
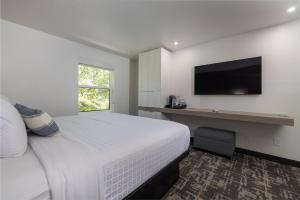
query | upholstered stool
(215,140)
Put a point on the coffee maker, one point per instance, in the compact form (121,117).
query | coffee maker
(172,100)
(175,103)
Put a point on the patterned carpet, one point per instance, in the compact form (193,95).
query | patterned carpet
(209,177)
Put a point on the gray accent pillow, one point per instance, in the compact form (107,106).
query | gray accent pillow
(39,122)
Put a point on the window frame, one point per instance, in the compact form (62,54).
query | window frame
(110,88)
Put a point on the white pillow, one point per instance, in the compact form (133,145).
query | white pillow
(5,98)
(13,135)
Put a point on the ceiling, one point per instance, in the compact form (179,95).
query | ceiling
(129,27)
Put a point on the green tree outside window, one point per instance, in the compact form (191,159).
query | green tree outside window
(94,88)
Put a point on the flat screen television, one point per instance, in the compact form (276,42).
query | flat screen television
(232,77)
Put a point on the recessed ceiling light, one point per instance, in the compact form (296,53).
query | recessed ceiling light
(176,43)
(291,9)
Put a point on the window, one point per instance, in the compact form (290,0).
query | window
(94,88)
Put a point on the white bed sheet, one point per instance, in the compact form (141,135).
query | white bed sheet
(23,178)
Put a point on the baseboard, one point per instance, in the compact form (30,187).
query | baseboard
(263,156)
(268,157)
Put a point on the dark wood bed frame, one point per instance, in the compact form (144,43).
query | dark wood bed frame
(159,184)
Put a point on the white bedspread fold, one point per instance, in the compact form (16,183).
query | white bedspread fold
(72,168)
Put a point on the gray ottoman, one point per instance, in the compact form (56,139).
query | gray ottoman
(215,140)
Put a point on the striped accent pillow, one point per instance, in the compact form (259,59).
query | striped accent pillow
(37,121)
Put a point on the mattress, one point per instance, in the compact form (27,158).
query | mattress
(23,178)
(126,150)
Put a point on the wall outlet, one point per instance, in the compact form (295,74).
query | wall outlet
(276,141)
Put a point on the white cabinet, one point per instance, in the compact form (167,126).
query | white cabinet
(150,71)
(149,98)
(153,80)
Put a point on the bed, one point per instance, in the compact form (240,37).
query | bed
(99,155)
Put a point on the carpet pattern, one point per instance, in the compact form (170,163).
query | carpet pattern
(204,176)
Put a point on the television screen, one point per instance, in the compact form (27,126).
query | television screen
(233,77)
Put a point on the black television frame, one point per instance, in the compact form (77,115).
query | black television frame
(259,59)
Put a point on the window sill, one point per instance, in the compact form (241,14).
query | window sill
(105,110)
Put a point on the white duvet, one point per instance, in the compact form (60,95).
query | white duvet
(102,155)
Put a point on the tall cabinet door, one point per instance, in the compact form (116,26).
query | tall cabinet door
(149,98)
(142,98)
(154,70)
(143,86)
(143,78)
(150,81)
(166,81)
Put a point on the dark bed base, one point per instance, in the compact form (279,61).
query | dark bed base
(159,184)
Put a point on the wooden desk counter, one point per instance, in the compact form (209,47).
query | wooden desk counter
(265,118)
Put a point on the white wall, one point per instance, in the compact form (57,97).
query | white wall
(280,49)
(40,70)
